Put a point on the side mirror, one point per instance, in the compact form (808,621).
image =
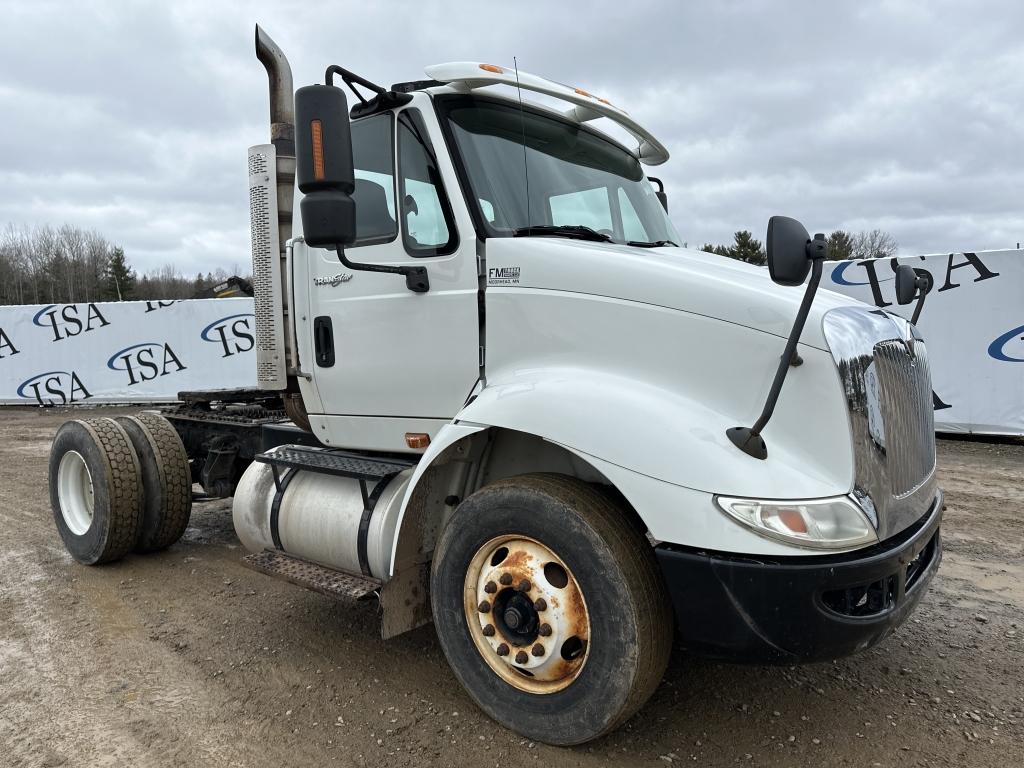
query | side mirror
(791,250)
(791,255)
(323,166)
(906,284)
(910,285)
(660,192)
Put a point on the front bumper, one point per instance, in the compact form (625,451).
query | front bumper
(797,609)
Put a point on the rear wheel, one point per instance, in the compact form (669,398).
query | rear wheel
(550,608)
(95,489)
(166,480)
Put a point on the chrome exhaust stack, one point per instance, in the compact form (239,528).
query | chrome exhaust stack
(271,199)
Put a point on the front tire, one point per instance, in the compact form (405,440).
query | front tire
(95,490)
(550,608)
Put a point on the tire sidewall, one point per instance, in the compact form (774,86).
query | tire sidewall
(590,704)
(88,547)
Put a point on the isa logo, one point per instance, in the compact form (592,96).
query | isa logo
(234,333)
(70,319)
(145,362)
(54,388)
(1009,348)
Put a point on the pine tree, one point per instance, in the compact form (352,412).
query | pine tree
(840,246)
(747,248)
(118,277)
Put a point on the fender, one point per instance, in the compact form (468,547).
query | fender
(666,453)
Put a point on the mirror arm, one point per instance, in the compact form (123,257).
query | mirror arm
(748,439)
(415,277)
(924,285)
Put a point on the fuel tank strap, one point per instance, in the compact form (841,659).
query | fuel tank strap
(369,502)
(275,507)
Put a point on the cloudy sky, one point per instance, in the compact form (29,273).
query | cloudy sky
(133,118)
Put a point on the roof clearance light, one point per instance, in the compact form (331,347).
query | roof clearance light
(492,68)
(581,92)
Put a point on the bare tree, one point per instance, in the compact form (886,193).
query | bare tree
(67,264)
(875,244)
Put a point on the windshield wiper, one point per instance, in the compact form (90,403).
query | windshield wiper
(578,231)
(655,244)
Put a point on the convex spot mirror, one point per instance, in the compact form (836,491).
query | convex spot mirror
(323,166)
(789,249)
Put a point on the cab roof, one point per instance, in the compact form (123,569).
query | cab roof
(465,76)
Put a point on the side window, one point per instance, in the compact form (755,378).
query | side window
(588,207)
(373,157)
(632,228)
(427,226)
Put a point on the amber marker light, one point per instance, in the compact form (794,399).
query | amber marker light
(316,130)
(417,440)
(793,520)
(492,68)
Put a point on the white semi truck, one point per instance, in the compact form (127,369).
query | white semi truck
(496,393)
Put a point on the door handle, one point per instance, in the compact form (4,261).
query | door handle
(323,341)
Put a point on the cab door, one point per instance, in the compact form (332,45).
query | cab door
(389,361)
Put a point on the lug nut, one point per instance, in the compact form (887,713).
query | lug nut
(540,604)
(502,650)
(484,607)
(537,650)
(490,587)
(524,585)
(506,579)
(522,658)
(544,630)
(489,630)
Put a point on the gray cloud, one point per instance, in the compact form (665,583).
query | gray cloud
(133,118)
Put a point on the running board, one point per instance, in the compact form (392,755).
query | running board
(314,577)
(333,462)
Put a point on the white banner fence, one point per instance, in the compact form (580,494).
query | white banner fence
(124,352)
(972,321)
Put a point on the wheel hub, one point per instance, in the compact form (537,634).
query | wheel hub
(75,492)
(526,614)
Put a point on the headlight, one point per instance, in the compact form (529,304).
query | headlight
(836,523)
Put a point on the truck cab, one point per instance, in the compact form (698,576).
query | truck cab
(523,411)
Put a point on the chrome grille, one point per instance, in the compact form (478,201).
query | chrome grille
(266,269)
(909,416)
(883,366)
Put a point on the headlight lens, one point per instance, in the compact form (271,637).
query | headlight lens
(836,523)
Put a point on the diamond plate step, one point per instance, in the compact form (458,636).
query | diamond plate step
(333,462)
(312,576)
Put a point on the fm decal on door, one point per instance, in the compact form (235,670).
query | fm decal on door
(338,279)
(503,276)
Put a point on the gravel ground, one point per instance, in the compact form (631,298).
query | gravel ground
(188,658)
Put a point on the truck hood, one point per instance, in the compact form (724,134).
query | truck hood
(675,278)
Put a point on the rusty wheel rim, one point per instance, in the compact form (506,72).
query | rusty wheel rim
(526,614)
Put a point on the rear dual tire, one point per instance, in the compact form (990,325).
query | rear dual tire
(95,490)
(118,485)
(166,480)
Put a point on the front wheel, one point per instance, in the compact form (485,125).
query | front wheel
(550,607)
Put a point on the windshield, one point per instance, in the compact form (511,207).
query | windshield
(569,177)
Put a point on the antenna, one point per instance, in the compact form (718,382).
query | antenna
(526,166)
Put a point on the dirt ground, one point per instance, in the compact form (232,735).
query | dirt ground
(188,658)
